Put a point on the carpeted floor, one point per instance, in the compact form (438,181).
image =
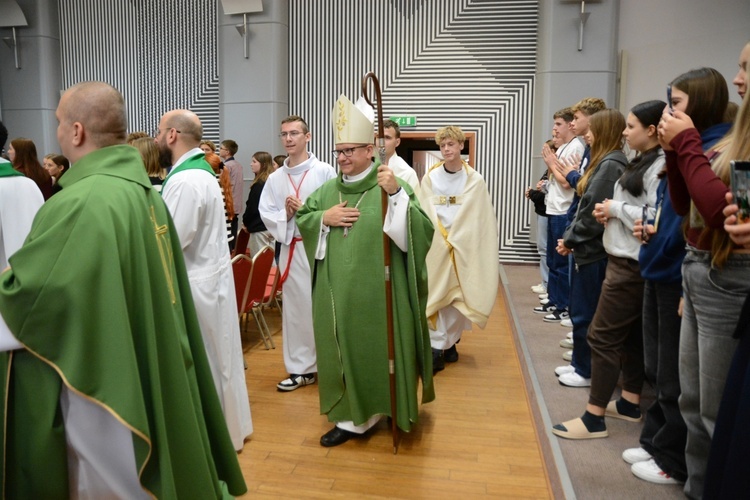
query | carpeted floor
(593,469)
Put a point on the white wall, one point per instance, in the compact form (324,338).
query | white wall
(663,39)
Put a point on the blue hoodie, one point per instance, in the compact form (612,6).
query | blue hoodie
(661,258)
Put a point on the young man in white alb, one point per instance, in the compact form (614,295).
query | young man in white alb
(284,193)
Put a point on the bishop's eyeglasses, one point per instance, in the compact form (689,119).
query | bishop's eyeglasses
(348,152)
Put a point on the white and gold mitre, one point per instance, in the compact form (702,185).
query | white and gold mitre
(352,123)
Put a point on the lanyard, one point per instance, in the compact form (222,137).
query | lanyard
(298,186)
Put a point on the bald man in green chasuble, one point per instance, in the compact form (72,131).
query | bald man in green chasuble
(342,226)
(106,389)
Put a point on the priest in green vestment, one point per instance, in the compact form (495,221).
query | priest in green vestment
(106,386)
(342,226)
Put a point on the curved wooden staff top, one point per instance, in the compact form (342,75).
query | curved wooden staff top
(378,105)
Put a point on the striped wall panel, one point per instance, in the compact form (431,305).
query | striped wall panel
(160,54)
(462,62)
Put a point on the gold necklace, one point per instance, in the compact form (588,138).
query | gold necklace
(346,229)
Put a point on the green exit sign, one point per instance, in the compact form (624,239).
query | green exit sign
(405,120)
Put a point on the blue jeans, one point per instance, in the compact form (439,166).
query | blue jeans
(713,301)
(541,247)
(664,432)
(558,286)
(585,288)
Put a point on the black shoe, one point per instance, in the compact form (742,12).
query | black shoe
(438,361)
(335,437)
(450,355)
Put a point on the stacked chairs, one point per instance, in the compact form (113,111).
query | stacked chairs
(251,277)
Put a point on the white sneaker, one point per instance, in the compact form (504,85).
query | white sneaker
(572,379)
(635,455)
(568,355)
(539,288)
(562,370)
(569,336)
(567,323)
(649,471)
(295,382)
(544,302)
(566,343)
(543,296)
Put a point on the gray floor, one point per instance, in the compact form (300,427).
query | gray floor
(589,469)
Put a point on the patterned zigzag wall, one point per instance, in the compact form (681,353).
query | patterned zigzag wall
(160,55)
(463,62)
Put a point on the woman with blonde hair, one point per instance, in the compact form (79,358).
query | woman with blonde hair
(262,165)
(208,146)
(584,239)
(716,271)
(150,154)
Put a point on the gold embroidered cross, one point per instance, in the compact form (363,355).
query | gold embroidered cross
(165,252)
(341,120)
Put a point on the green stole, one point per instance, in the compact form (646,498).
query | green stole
(195,162)
(7,170)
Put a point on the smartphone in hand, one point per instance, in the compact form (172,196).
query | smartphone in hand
(740,184)
(669,99)
(644,223)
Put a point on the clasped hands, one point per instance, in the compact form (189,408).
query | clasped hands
(563,165)
(601,212)
(562,249)
(292,204)
(343,216)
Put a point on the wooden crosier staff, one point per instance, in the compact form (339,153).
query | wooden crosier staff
(386,255)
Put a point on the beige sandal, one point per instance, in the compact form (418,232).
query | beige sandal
(611,411)
(576,429)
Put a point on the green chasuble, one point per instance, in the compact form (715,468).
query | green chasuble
(349,312)
(99,296)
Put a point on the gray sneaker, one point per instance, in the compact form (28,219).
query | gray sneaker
(295,382)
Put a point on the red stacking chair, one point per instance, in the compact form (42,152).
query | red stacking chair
(253,299)
(272,290)
(242,266)
(241,241)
